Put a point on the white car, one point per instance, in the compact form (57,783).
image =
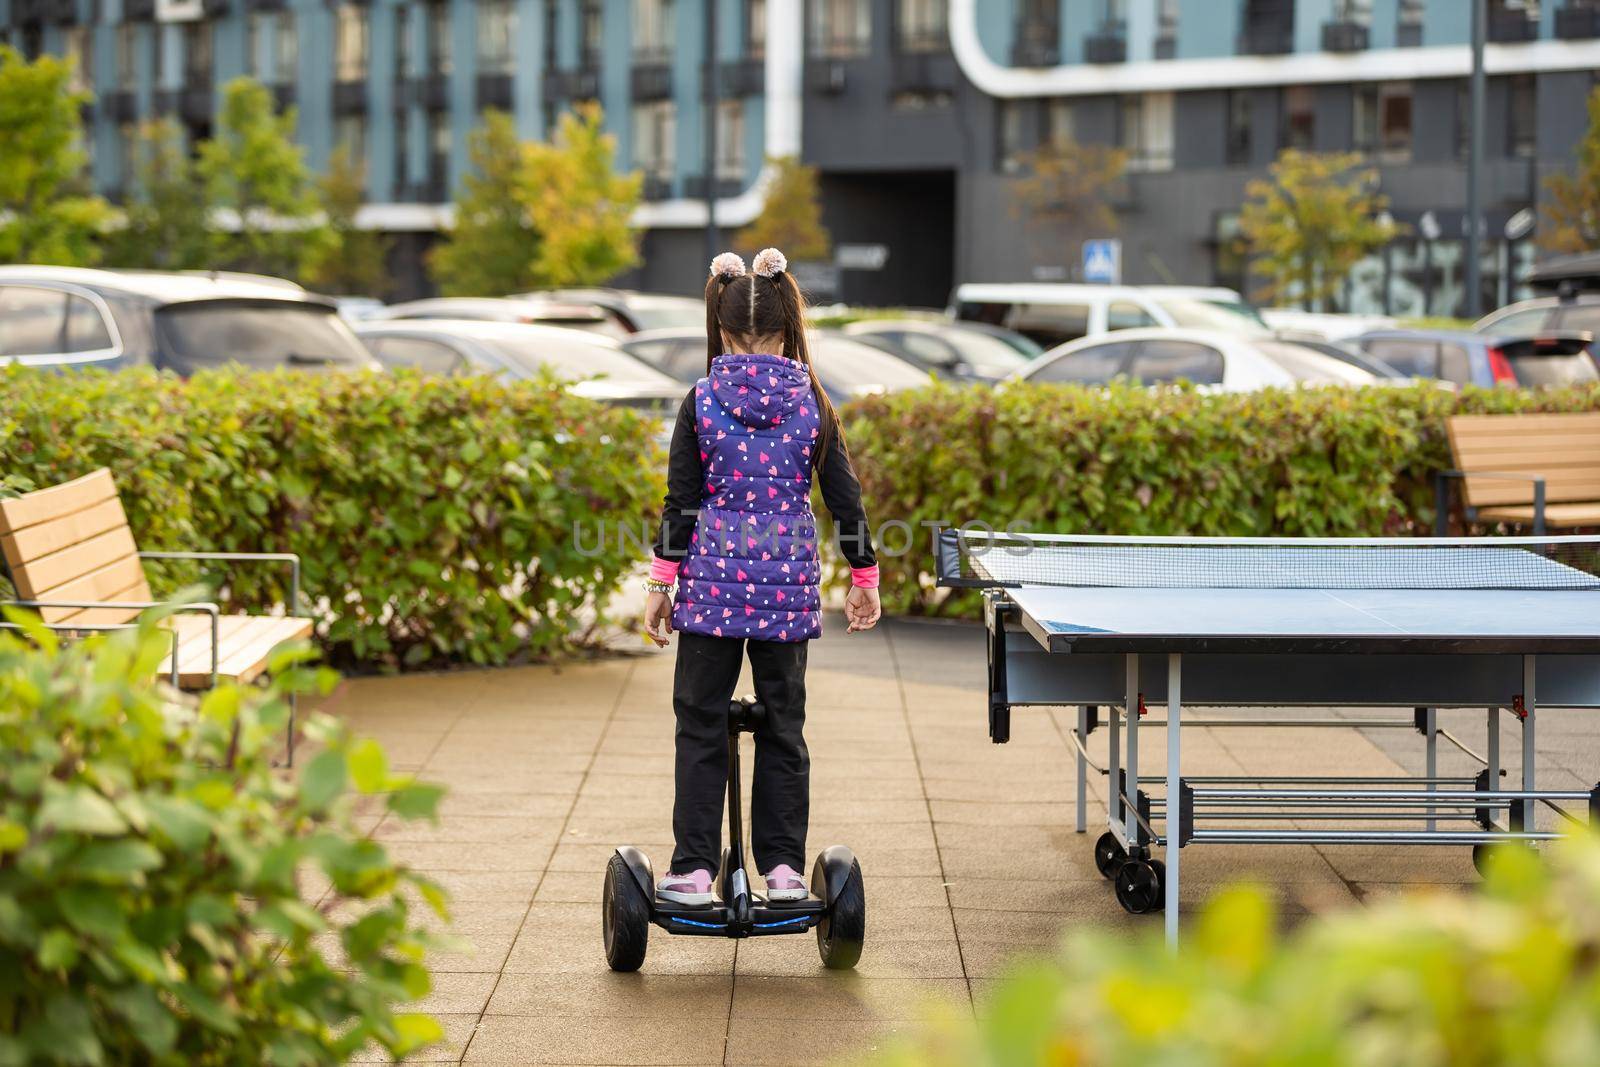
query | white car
(1054,314)
(1329,326)
(1214,360)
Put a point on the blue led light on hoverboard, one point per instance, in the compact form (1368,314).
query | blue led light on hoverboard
(782,922)
(696,922)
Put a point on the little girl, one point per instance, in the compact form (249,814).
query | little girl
(737,520)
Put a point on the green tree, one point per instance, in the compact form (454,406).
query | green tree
(579,206)
(46,213)
(492,248)
(791,215)
(1572,211)
(1063,193)
(253,169)
(167,221)
(340,257)
(1310,222)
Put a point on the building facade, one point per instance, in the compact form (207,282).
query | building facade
(919,114)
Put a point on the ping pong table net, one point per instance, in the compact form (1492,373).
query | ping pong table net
(981,558)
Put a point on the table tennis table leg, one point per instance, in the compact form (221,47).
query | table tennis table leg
(1174,823)
(1492,759)
(1130,789)
(1114,764)
(1430,730)
(1083,767)
(1529,748)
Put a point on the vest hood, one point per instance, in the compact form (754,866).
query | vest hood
(760,391)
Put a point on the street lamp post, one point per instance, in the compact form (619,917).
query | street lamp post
(1475,165)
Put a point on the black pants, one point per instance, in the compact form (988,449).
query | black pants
(780,803)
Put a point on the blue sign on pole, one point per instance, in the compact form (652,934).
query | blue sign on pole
(1102,261)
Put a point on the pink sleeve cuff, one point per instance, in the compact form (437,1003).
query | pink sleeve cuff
(864,577)
(664,570)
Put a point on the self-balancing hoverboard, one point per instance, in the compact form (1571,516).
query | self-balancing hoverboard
(836,907)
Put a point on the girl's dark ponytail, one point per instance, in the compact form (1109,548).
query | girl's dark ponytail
(725,269)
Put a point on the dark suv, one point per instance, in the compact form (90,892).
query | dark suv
(70,317)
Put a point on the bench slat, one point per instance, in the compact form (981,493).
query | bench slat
(106,583)
(1562,448)
(35,579)
(42,505)
(1554,514)
(52,535)
(244,643)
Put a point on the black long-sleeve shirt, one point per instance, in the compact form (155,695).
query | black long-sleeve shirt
(841,492)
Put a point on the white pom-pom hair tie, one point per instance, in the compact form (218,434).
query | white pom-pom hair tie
(769,262)
(728,265)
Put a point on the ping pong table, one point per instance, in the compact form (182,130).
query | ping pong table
(1295,624)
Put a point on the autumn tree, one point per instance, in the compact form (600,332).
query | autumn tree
(46,212)
(340,257)
(1572,212)
(166,222)
(581,209)
(1065,192)
(492,247)
(253,170)
(791,215)
(1312,220)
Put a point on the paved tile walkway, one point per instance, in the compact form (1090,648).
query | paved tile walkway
(968,848)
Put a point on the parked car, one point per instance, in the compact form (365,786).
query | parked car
(1343,351)
(1212,359)
(1461,357)
(357,308)
(1053,314)
(846,368)
(1026,346)
(596,366)
(1579,311)
(954,350)
(181,321)
(1333,327)
(631,310)
(585,317)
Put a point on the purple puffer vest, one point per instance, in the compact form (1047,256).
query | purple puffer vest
(752,567)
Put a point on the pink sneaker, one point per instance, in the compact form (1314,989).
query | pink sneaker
(691,888)
(784,883)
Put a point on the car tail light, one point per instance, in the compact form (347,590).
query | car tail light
(1500,368)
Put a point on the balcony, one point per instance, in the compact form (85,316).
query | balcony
(923,72)
(349,97)
(1345,36)
(120,106)
(430,92)
(1408,35)
(1512,27)
(656,187)
(1037,44)
(216,9)
(1267,39)
(650,79)
(266,5)
(694,187)
(138,10)
(494,90)
(830,77)
(1166,46)
(1108,44)
(46,12)
(1574,23)
(742,77)
(581,84)
(283,96)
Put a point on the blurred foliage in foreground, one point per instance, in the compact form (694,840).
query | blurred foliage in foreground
(1506,976)
(167,897)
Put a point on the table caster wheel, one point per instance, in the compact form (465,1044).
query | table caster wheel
(624,918)
(1109,855)
(1141,886)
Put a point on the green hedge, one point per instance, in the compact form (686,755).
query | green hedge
(435,516)
(161,883)
(1128,460)
(1507,976)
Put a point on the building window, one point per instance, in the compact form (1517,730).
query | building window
(497,25)
(79,46)
(127,157)
(127,56)
(1408,22)
(441,57)
(350,133)
(1357,11)
(1522,136)
(1012,126)
(1299,118)
(1238,141)
(1060,124)
(840,29)
(755,28)
(1166,28)
(1383,121)
(730,140)
(591,34)
(655,135)
(350,43)
(652,31)
(285,48)
(1146,131)
(920,25)
(197,55)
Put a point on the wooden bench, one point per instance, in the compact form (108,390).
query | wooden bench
(72,558)
(1532,470)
